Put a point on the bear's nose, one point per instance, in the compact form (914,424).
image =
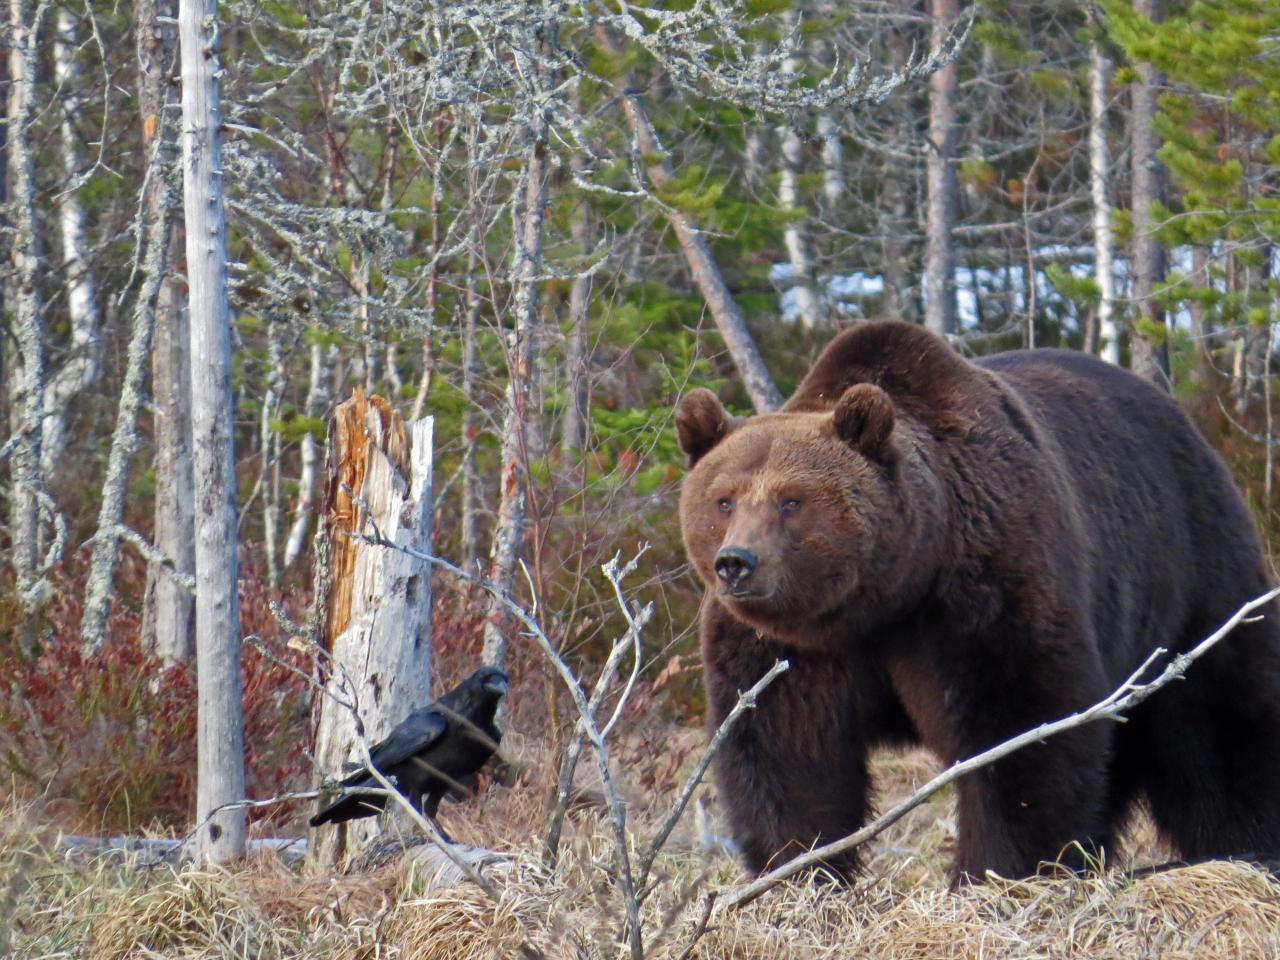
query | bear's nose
(734,565)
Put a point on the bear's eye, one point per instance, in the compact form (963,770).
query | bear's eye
(725,505)
(790,505)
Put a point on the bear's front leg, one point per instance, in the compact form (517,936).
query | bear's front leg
(1048,802)
(792,773)
(1044,805)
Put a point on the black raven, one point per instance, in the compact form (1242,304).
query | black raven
(429,751)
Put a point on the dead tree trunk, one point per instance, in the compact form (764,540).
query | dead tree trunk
(80,368)
(316,400)
(809,305)
(168,611)
(27,382)
(377,614)
(1149,344)
(220,733)
(1099,185)
(508,533)
(940,252)
(155,237)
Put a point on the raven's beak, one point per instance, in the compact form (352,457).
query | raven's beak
(497,684)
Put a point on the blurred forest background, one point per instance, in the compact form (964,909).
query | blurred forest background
(539,223)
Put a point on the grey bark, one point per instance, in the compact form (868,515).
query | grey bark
(1149,344)
(470,433)
(268,441)
(809,305)
(940,256)
(316,400)
(573,432)
(832,160)
(27,373)
(80,368)
(220,733)
(168,612)
(1099,185)
(508,534)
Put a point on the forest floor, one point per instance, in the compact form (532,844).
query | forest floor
(54,905)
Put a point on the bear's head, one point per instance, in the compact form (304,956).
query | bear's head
(792,518)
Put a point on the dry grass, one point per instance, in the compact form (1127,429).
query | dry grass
(50,907)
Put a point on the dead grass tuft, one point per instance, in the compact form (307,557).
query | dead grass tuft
(104,910)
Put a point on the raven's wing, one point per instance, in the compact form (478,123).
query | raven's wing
(412,735)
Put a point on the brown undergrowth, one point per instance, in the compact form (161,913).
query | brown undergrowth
(51,905)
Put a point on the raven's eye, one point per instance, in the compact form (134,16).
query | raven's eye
(790,505)
(725,505)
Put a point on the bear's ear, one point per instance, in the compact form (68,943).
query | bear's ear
(863,418)
(701,423)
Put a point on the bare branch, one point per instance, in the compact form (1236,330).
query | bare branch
(1128,695)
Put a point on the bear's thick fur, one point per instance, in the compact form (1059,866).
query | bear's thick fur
(950,553)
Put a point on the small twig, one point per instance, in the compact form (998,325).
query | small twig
(1128,694)
(746,701)
(708,905)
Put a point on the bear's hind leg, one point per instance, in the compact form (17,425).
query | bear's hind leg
(1208,750)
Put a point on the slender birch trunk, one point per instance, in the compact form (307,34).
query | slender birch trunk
(573,432)
(702,265)
(1149,344)
(1099,184)
(809,306)
(470,433)
(27,385)
(508,534)
(168,612)
(832,160)
(220,734)
(940,254)
(268,440)
(897,222)
(315,403)
(80,368)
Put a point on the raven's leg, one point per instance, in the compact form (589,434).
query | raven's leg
(431,803)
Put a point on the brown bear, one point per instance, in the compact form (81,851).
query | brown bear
(952,552)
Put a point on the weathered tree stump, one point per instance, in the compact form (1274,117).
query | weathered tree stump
(376,602)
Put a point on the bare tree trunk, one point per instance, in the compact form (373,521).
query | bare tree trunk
(470,433)
(27,383)
(220,735)
(702,266)
(1099,183)
(573,432)
(316,399)
(508,535)
(809,305)
(1149,343)
(940,255)
(268,439)
(168,613)
(80,368)
(377,619)
(832,160)
(1202,370)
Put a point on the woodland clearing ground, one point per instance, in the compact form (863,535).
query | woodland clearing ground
(51,906)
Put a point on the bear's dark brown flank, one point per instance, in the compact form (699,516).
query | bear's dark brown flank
(1044,520)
